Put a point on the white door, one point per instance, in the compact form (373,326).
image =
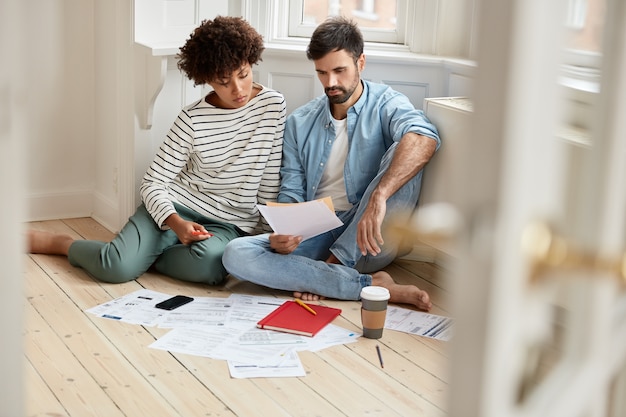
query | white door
(544,338)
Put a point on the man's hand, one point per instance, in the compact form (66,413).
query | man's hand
(284,244)
(411,155)
(369,236)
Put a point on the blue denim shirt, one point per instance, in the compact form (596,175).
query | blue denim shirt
(379,118)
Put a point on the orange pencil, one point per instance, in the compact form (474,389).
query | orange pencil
(309,309)
(199,233)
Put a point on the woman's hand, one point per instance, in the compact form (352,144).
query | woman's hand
(187,231)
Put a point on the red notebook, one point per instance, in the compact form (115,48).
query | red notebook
(291,317)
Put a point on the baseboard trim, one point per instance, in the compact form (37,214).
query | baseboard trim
(59,205)
(107,213)
(68,205)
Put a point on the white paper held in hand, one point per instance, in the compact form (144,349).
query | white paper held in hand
(306,219)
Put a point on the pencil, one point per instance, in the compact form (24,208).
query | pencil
(309,309)
(380,356)
(200,232)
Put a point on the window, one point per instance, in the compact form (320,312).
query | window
(585,23)
(585,28)
(376,18)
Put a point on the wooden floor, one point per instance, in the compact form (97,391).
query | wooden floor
(80,365)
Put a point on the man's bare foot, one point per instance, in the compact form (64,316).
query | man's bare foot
(48,243)
(307,296)
(403,294)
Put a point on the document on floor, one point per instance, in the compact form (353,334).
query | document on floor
(307,219)
(220,343)
(288,366)
(419,323)
(134,308)
(250,346)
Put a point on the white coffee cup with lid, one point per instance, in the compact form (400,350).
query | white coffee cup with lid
(374,300)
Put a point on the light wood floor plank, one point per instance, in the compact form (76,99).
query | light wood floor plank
(364,369)
(297,397)
(346,394)
(96,352)
(71,383)
(242,396)
(46,404)
(89,229)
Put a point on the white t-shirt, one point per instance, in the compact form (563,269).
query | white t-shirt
(333,183)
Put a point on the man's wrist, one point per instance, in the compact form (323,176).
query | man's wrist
(379,196)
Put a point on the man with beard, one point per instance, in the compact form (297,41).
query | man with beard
(364,145)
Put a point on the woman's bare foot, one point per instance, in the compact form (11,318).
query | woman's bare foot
(403,294)
(48,243)
(332,259)
(307,296)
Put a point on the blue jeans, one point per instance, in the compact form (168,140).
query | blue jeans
(252,259)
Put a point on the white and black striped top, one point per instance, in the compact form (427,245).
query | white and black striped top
(219,162)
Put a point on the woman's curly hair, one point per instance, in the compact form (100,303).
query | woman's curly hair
(218,47)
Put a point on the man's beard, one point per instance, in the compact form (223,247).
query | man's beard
(341,98)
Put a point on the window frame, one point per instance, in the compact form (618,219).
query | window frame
(297,29)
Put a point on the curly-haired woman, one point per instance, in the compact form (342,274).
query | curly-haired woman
(220,158)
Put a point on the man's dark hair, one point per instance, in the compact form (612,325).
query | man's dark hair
(218,47)
(335,34)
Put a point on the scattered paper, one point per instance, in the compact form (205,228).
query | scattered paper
(202,311)
(419,323)
(330,335)
(135,308)
(196,341)
(224,329)
(249,309)
(289,365)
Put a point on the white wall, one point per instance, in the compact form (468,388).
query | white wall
(83,109)
(60,142)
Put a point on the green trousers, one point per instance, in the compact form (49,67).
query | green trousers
(141,244)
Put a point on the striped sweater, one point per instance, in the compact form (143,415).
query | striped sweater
(219,162)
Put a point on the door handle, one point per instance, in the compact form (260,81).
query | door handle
(547,250)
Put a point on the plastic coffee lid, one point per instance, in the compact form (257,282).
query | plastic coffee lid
(375,293)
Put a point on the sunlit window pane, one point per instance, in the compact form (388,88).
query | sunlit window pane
(368,14)
(585,24)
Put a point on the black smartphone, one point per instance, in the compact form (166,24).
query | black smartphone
(174,302)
